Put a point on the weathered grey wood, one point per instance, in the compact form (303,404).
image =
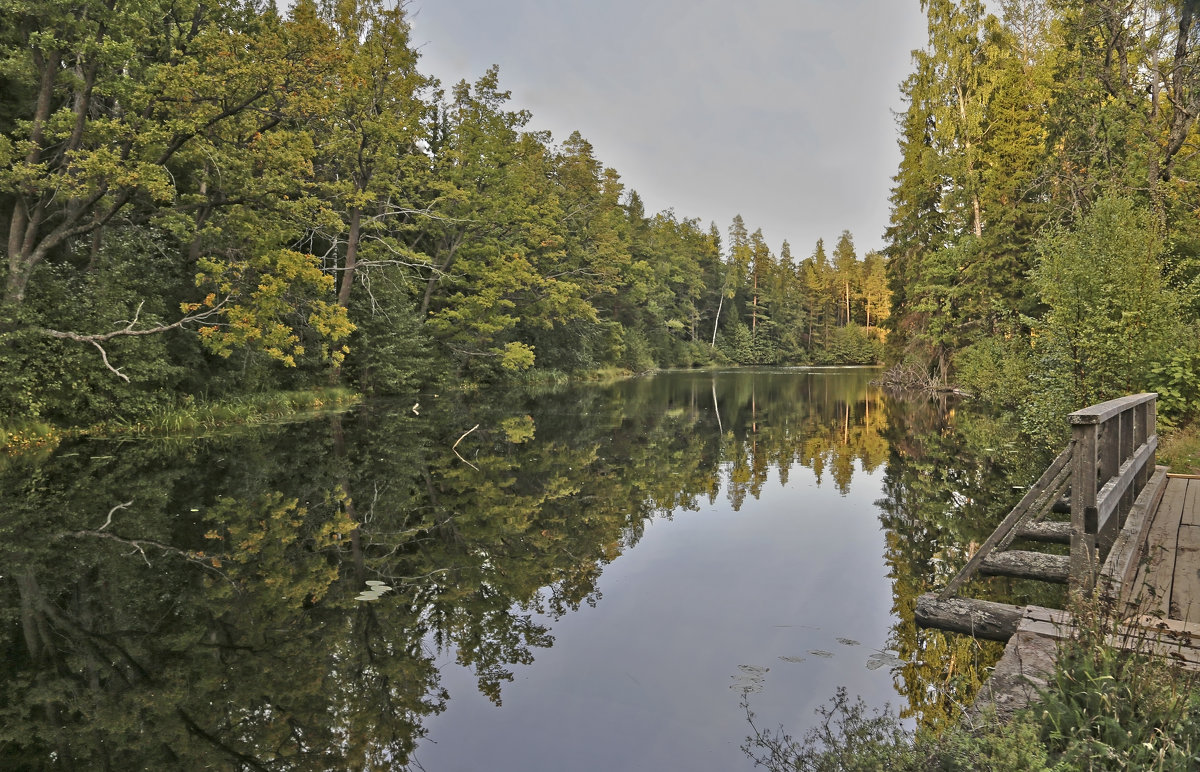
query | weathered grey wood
(1125,453)
(1022,674)
(1058,616)
(1108,447)
(1095,414)
(1170,639)
(1142,430)
(1083,506)
(980,618)
(1122,563)
(1041,508)
(1053,476)
(1109,497)
(1025,564)
(1185,585)
(1151,593)
(1052,531)
(1191,504)
(1173,629)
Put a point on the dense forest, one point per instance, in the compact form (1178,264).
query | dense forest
(1044,247)
(203,200)
(211,199)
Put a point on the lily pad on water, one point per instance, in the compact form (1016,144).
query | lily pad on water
(820,653)
(848,642)
(792,658)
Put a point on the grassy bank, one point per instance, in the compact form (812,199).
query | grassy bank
(1180,450)
(195,416)
(190,416)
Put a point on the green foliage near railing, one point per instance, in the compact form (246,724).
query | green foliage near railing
(1176,378)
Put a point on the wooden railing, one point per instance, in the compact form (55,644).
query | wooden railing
(1108,466)
(1114,444)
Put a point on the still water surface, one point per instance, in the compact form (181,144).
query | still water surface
(598,577)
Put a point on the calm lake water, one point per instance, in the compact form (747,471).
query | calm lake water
(585,578)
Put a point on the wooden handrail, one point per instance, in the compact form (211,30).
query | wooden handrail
(1115,444)
(1095,414)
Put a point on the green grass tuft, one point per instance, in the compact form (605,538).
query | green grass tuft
(191,416)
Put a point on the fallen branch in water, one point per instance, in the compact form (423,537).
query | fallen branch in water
(460,439)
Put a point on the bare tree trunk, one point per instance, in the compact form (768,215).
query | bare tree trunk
(351,258)
(717,320)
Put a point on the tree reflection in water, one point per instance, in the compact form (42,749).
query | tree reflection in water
(213,621)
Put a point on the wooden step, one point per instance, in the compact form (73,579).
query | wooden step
(1025,564)
(1048,531)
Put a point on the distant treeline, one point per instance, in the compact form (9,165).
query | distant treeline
(210,198)
(1044,246)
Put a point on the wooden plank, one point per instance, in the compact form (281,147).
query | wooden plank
(1134,591)
(1025,564)
(1055,615)
(1045,629)
(1191,505)
(1053,476)
(1180,650)
(1153,594)
(1123,559)
(1106,410)
(1109,497)
(1173,628)
(1083,506)
(1185,587)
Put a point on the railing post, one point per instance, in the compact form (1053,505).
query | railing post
(1085,463)
(1126,453)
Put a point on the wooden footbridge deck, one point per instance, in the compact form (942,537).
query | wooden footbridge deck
(1134,535)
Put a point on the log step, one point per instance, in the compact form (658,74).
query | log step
(1048,531)
(980,618)
(1025,564)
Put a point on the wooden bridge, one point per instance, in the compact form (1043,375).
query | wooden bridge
(1134,535)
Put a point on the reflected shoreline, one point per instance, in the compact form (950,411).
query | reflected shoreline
(172,632)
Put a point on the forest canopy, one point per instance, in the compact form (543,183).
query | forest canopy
(1044,246)
(212,199)
(216,198)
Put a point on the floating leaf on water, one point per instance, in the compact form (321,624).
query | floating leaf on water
(753,669)
(792,658)
(882,658)
(747,688)
(848,642)
(820,653)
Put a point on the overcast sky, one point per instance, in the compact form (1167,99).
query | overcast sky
(781,110)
